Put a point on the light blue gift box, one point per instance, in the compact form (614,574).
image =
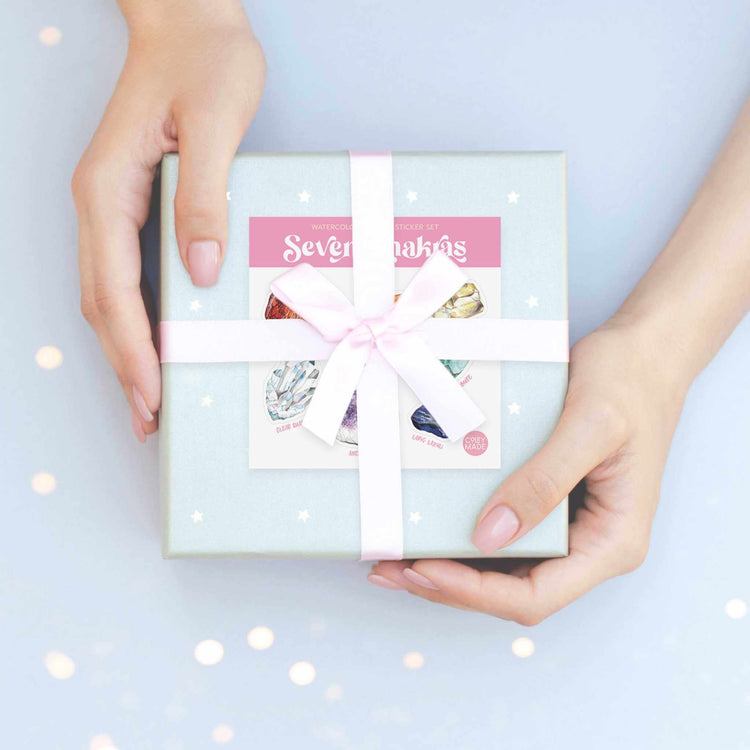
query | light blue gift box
(214,505)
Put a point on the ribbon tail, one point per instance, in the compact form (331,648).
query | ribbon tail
(440,392)
(380,501)
(335,389)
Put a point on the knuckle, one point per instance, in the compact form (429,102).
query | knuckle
(604,416)
(76,182)
(90,179)
(105,300)
(196,207)
(89,309)
(611,417)
(632,553)
(529,618)
(542,488)
(132,357)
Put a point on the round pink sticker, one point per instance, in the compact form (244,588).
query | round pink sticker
(475,443)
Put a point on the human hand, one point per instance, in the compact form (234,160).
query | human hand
(192,83)
(621,410)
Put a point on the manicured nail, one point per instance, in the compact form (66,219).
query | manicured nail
(137,427)
(498,527)
(384,582)
(419,579)
(203,261)
(140,404)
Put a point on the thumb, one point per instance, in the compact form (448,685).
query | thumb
(207,144)
(585,435)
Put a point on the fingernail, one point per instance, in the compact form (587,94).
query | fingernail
(140,404)
(137,427)
(384,582)
(419,579)
(203,261)
(498,527)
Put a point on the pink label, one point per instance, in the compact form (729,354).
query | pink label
(327,242)
(475,443)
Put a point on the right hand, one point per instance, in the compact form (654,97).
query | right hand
(191,83)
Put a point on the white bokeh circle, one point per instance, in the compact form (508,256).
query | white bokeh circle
(59,665)
(413,660)
(48,357)
(50,36)
(43,483)
(302,673)
(522,647)
(735,608)
(209,652)
(222,734)
(260,638)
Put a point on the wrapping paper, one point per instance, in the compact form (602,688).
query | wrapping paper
(215,504)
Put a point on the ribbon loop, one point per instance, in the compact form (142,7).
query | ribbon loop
(315,299)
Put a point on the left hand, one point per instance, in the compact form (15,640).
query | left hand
(621,410)
(191,83)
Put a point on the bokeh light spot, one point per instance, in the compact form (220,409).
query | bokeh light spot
(59,665)
(49,36)
(413,660)
(49,357)
(735,608)
(222,734)
(102,742)
(334,693)
(209,652)
(260,638)
(522,647)
(302,673)
(43,483)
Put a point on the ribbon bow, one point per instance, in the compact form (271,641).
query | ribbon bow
(320,303)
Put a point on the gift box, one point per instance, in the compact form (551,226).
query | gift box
(246,396)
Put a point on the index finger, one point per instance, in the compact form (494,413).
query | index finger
(525,598)
(118,298)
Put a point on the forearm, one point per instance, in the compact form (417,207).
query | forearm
(698,288)
(144,16)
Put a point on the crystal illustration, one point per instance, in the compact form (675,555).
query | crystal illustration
(289,389)
(425,422)
(348,431)
(465,303)
(277,310)
(455,366)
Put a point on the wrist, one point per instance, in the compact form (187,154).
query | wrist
(654,336)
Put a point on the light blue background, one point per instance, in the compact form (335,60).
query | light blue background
(640,95)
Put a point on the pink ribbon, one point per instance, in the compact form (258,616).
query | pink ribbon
(369,344)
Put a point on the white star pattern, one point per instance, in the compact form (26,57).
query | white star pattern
(197,516)
(195,305)
(412,196)
(229,195)
(304,197)
(514,408)
(513,197)
(532,301)
(206,401)
(303,515)
(415,517)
